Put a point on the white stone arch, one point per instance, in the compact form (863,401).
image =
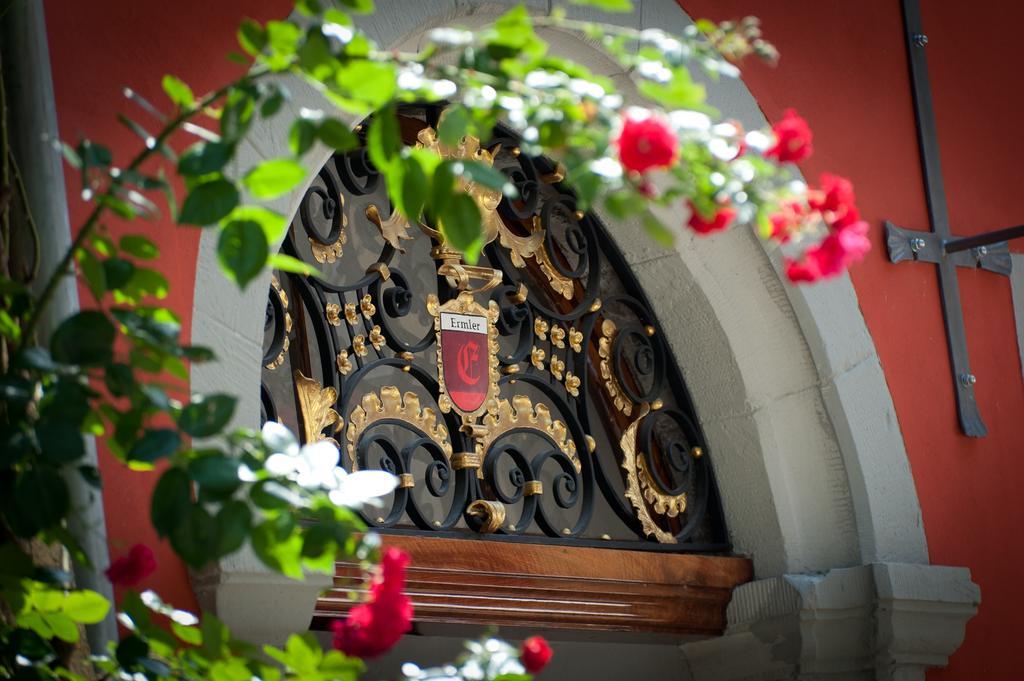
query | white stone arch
(786,380)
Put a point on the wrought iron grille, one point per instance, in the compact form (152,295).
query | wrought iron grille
(584,433)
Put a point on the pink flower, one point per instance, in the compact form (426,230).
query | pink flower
(131,569)
(535,654)
(717,222)
(793,139)
(646,143)
(373,627)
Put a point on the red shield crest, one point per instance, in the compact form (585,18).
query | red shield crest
(466,359)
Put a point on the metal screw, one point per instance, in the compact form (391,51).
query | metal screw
(980,252)
(917,244)
(920,39)
(967,380)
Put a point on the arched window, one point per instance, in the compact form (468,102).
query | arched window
(528,398)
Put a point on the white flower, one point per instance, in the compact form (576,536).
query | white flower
(758,141)
(654,70)
(315,467)
(361,487)
(409,81)
(444,88)
(342,34)
(690,120)
(450,36)
(607,167)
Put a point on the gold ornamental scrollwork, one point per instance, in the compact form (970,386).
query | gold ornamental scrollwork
(392,405)
(316,406)
(283,297)
(641,488)
(522,413)
(328,253)
(611,382)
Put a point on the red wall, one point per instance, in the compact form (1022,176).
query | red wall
(844,68)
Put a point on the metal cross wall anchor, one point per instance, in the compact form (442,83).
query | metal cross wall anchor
(988,251)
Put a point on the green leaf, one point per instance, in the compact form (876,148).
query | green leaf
(117,272)
(272,104)
(63,627)
(139,246)
(336,665)
(215,636)
(415,189)
(208,202)
(92,271)
(86,338)
(59,441)
(657,231)
(40,501)
(274,224)
(236,116)
(178,91)
(460,224)
(206,415)
(155,445)
(679,93)
(384,140)
(242,250)
(130,650)
(337,135)
(286,263)
(301,136)
(358,6)
(233,521)
(367,81)
(86,607)
(273,178)
(315,56)
(453,126)
(606,5)
(251,37)
(216,473)
(119,379)
(204,158)
(172,497)
(303,655)
(487,176)
(195,538)
(190,635)
(275,543)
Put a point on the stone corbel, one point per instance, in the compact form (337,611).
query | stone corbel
(871,622)
(258,604)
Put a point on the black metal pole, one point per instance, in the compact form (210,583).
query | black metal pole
(963,243)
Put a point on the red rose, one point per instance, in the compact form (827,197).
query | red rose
(131,569)
(373,627)
(719,221)
(802,270)
(832,256)
(836,194)
(646,143)
(793,139)
(535,654)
